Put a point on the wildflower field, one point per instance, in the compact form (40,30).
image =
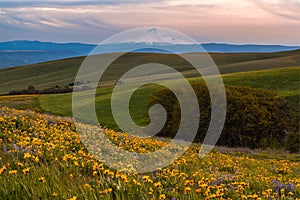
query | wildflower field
(42,157)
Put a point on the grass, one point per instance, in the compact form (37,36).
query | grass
(284,81)
(63,72)
(60,104)
(21,102)
(41,157)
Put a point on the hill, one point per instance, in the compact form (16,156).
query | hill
(23,52)
(63,168)
(284,81)
(63,72)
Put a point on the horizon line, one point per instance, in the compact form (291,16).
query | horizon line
(87,43)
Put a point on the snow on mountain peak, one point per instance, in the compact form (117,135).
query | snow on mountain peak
(154,36)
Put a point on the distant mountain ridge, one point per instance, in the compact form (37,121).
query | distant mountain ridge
(38,45)
(23,52)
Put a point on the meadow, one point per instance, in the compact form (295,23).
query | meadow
(42,157)
(283,81)
(63,72)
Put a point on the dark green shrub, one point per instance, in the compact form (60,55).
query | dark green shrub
(292,142)
(255,118)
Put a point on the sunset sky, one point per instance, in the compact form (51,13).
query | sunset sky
(228,21)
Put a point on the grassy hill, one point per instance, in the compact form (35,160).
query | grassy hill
(284,81)
(63,72)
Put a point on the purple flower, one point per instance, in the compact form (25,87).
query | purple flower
(50,123)
(281,186)
(291,187)
(276,182)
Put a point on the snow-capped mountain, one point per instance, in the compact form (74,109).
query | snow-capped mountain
(153,36)
(156,36)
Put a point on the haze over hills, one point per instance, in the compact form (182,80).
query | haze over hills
(22,52)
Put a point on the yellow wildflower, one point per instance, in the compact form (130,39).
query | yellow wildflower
(42,179)
(27,155)
(12,172)
(186,190)
(162,197)
(26,170)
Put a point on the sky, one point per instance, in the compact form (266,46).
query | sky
(222,21)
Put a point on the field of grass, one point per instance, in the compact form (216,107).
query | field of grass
(284,81)
(41,157)
(63,72)
(60,104)
(21,102)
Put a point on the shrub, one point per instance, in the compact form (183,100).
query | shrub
(255,118)
(292,142)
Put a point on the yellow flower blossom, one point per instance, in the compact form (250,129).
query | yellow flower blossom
(26,170)
(162,196)
(42,179)
(186,190)
(12,171)
(27,155)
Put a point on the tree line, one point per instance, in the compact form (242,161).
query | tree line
(52,90)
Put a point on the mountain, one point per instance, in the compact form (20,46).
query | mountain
(21,45)
(155,36)
(246,48)
(23,52)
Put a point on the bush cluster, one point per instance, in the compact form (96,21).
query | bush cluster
(53,90)
(255,118)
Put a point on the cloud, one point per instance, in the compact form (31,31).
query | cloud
(33,3)
(215,20)
(284,8)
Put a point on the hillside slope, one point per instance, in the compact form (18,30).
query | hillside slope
(284,81)
(63,72)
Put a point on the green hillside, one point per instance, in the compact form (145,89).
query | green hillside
(284,81)
(63,72)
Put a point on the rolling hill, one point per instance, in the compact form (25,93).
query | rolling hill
(23,52)
(284,81)
(63,72)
